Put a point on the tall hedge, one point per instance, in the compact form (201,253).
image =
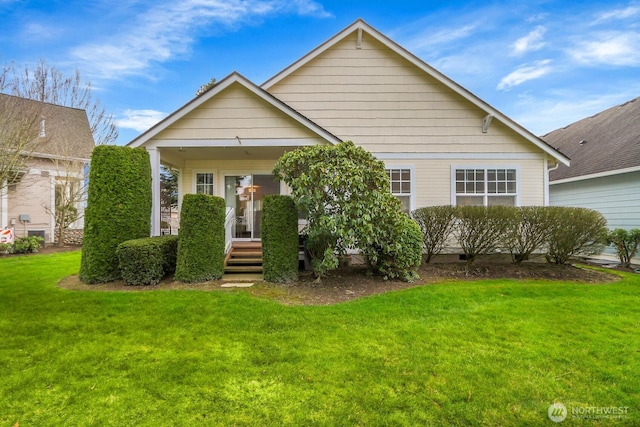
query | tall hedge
(118,208)
(201,238)
(279,239)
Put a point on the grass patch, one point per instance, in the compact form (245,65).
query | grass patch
(495,352)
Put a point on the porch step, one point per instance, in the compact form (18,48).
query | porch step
(244,257)
(243,269)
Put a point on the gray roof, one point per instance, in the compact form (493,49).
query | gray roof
(67,130)
(606,142)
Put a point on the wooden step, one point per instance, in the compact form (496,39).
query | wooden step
(244,261)
(236,253)
(243,269)
(244,257)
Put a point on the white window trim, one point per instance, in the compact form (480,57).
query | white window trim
(485,167)
(194,180)
(412,171)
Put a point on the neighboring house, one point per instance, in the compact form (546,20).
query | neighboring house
(441,144)
(605,165)
(55,163)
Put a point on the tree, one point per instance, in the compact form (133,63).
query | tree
(19,130)
(48,84)
(344,190)
(168,194)
(70,192)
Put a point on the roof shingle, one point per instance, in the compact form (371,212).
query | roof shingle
(607,141)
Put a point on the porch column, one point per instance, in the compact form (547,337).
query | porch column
(154,158)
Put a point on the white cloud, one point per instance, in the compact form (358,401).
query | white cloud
(525,73)
(625,13)
(167,30)
(621,49)
(556,110)
(441,37)
(140,120)
(530,42)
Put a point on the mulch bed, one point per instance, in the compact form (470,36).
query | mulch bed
(349,283)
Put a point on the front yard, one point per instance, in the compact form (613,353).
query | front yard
(488,352)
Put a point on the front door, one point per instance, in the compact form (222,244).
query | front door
(245,193)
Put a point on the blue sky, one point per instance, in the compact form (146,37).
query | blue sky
(543,63)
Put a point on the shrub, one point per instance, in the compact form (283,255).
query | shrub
(528,232)
(280,239)
(5,248)
(345,192)
(147,261)
(27,245)
(201,238)
(399,255)
(626,243)
(118,208)
(574,231)
(480,230)
(436,223)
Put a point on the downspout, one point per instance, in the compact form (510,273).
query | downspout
(546,179)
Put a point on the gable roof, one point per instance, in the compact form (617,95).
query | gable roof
(231,79)
(67,130)
(603,144)
(361,26)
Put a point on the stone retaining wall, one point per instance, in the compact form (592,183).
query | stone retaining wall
(72,236)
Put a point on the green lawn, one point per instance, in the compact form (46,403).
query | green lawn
(480,353)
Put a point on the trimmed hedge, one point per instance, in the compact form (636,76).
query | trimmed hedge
(575,231)
(147,261)
(118,208)
(201,238)
(480,230)
(557,232)
(436,223)
(279,239)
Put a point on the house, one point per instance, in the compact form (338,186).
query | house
(605,165)
(441,144)
(51,168)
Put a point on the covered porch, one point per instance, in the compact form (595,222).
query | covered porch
(226,143)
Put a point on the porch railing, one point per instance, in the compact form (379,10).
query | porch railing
(229,222)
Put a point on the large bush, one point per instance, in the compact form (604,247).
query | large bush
(344,190)
(436,223)
(480,230)
(146,261)
(399,255)
(279,239)
(528,232)
(118,208)
(27,245)
(626,243)
(201,238)
(574,231)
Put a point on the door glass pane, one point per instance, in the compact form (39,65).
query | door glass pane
(263,185)
(245,193)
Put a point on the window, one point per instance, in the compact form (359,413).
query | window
(400,180)
(204,183)
(486,187)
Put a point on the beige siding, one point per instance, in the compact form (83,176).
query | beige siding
(236,112)
(433,186)
(30,197)
(386,104)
